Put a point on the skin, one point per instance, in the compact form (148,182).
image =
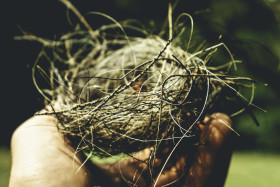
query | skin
(41,156)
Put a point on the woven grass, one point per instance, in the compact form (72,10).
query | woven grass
(114,93)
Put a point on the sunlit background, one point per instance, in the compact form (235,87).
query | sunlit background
(250,29)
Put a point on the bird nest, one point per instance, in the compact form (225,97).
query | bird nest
(116,94)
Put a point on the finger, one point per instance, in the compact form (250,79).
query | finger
(213,156)
(41,157)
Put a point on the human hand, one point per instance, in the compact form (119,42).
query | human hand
(42,157)
(207,166)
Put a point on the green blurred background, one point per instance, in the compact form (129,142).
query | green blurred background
(250,28)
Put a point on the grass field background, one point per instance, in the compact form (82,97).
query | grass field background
(247,169)
(254,169)
(5,164)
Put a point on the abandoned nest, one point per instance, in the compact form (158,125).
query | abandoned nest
(134,97)
(133,104)
(116,94)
